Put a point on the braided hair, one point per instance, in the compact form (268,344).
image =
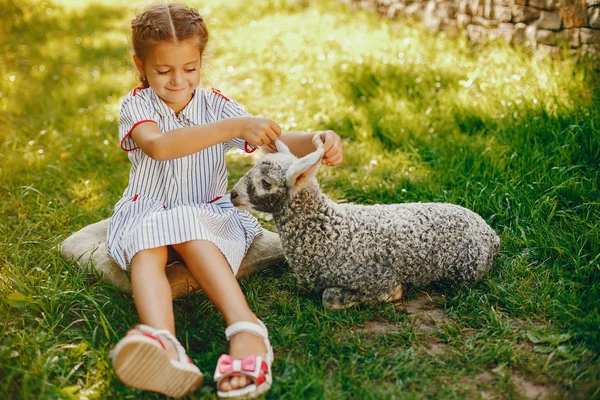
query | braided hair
(173,22)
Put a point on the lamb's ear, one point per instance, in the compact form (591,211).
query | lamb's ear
(304,168)
(281,147)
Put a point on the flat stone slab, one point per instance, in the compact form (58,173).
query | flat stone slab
(87,247)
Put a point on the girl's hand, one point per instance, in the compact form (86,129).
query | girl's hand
(332,144)
(258,131)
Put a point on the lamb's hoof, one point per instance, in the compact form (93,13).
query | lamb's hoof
(396,294)
(338,299)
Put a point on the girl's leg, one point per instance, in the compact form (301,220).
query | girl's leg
(152,292)
(138,360)
(210,269)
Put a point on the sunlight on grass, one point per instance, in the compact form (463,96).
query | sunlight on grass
(87,194)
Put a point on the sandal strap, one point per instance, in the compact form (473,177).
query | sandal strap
(165,334)
(259,329)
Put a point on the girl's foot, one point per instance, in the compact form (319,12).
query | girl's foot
(246,371)
(167,344)
(143,360)
(241,345)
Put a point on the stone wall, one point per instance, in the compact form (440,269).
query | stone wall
(543,25)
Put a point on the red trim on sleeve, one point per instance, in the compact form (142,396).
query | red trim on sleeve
(248,149)
(215,199)
(135,197)
(136,89)
(218,92)
(131,130)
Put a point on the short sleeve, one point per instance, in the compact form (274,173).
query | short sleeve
(135,110)
(230,110)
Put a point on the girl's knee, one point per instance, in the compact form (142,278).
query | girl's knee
(156,257)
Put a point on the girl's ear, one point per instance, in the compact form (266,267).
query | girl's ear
(139,64)
(304,168)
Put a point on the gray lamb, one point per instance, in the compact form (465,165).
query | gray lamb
(358,253)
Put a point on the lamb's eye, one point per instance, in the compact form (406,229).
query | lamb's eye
(266,184)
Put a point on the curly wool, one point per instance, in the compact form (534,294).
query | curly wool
(364,251)
(373,249)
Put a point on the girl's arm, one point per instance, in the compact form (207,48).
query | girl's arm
(185,141)
(303,143)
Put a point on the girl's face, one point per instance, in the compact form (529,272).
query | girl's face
(173,71)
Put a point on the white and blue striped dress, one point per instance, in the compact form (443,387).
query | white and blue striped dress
(175,201)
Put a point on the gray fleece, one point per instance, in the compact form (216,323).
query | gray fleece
(356,253)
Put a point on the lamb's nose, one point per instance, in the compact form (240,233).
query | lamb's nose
(233,195)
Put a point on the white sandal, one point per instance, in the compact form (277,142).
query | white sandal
(141,362)
(254,367)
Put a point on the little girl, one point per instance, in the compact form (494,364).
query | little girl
(176,135)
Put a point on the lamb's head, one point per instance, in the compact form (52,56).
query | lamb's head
(273,181)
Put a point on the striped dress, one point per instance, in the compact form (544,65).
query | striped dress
(175,201)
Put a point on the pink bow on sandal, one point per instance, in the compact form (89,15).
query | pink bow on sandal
(254,367)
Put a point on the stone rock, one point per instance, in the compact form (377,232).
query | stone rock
(590,36)
(502,14)
(488,9)
(488,23)
(591,51)
(572,37)
(519,36)
(476,33)
(594,17)
(544,36)
(551,5)
(524,14)
(476,7)
(446,11)
(463,20)
(415,9)
(449,27)
(87,248)
(530,39)
(395,10)
(574,14)
(504,31)
(552,38)
(431,18)
(549,20)
(543,50)
(462,6)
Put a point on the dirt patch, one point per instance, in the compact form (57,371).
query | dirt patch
(424,307)
(373,328)
(525,388)
(376,328)
(426,316)
(436,349)
(484,377)
(532,390)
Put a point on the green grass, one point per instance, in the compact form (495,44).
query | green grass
(424,118)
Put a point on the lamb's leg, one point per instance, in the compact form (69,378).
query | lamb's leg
(337,298)
(396,294)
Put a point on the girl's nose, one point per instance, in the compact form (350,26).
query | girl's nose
(176,79)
